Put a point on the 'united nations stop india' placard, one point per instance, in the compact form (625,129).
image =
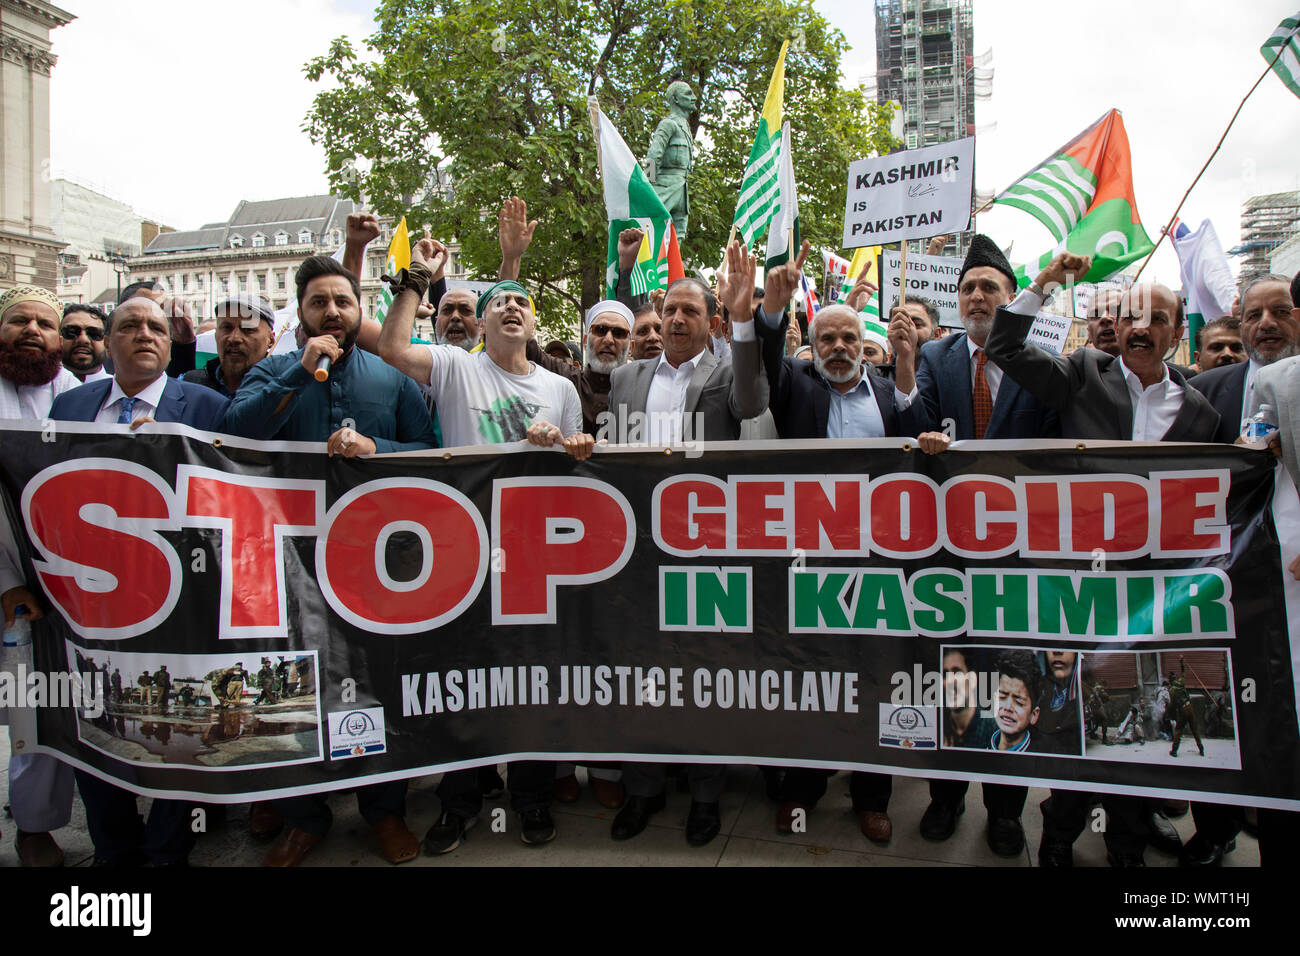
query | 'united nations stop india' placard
(910,195)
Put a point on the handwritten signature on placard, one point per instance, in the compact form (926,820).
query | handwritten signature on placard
(921,189)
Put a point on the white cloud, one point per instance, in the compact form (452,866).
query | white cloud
(184,109)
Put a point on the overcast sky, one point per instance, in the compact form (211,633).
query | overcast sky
(212,113)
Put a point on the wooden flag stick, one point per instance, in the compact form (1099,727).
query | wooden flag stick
(1169,225)
(722,269)
(902,280)
(789,251)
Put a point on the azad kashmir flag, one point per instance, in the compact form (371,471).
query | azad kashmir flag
(1084,196)
(631,203)
(1282,51)
(783,234)
(1207,279)
(760,185)
(399,257)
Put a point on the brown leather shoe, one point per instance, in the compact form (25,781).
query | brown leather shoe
(292,847)
(37,850)
(397,844)
(875,826)
(608,793)
(567,789)
(785,815)
(264,821)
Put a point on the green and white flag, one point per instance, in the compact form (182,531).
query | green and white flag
(631,202)
(760,185)
(1283,51)
(783,235)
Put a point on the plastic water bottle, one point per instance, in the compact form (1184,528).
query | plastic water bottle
(20,633)
(1261,426)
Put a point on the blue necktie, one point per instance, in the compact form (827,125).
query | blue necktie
(124,416)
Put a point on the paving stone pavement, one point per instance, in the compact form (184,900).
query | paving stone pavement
(748,836)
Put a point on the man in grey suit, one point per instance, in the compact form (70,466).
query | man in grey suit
(688,394)
(1133,396)
(1270,330)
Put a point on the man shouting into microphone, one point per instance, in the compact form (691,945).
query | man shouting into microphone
(364,406)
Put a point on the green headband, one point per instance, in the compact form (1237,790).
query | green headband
(505,285)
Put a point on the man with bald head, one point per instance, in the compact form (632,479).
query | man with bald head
(31,377)
(1132,396)
(139,343)
(1270,331)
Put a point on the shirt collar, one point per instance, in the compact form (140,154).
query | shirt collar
(972,346)
(151,394)
(1135,384)
(694,363)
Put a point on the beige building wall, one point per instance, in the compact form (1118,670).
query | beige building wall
(28,246)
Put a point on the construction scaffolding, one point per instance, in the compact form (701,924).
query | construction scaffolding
(1266,223)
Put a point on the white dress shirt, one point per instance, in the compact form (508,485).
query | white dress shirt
(146,401)
(1248,407)
(1154,407)
(992,374)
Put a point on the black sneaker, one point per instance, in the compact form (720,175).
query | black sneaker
(536,826)
(445,835)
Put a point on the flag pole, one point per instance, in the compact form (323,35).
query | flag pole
(902,278)
(1169,225)
(789,246)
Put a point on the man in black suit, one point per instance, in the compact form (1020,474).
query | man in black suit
(966,397)
(1270,333)
(1218,342)
(837,395)
(1132,396)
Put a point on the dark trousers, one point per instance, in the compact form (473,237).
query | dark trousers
(122,836)
(1000,799)
(531,784)
(1216,822)
(706,780)
(1065,814)
(1187,721)
(1279,837)
(311,812)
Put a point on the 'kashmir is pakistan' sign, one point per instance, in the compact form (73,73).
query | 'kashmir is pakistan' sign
(910,195)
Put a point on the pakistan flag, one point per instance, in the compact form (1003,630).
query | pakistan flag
(1083,194)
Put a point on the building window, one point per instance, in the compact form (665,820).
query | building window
(281,238)
(243,282)
(261,282)
(198,281)
(281,280)
(259,240)
(304,235)
(372,267)
(236,242)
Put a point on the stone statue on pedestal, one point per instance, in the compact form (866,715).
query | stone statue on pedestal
(668,161)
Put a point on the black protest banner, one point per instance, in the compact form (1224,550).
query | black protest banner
(268,620)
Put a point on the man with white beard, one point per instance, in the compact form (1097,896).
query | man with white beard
(605,347)
(31,377)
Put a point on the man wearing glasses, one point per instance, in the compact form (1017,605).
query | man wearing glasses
(82,340)
(604,348)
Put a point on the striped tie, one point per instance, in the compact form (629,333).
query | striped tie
(981,396)
(124,416)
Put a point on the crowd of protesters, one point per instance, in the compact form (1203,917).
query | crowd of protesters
(708,362)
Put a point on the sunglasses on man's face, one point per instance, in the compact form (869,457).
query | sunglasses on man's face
(73,332)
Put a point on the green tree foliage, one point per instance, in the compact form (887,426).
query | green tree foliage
(494,91)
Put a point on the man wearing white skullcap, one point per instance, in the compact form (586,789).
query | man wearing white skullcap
(607,337)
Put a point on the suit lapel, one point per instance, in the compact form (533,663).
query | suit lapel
(956,381)
(1008,393)
(883,389)
(644,375)
(821,405)
(708,362)
(1112,377)
(171,406)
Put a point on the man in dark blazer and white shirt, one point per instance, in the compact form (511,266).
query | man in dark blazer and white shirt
(953,372)
(687,394)
(1133,396)
(1270,332)
(139,343)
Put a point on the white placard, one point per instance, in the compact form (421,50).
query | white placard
(914,194)
(928,277)
(1049,332)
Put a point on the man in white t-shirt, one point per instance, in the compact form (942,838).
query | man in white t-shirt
(484,398)
(491,396)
